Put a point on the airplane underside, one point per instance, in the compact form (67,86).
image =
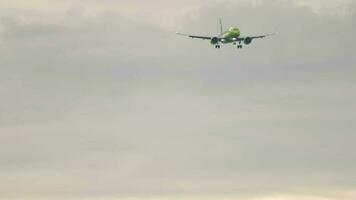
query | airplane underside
(238,43)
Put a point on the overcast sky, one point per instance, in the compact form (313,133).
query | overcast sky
(99,99)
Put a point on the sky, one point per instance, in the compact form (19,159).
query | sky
(102,100)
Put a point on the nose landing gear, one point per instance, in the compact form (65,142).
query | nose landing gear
(217,46)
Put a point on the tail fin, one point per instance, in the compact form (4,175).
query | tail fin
(221,25)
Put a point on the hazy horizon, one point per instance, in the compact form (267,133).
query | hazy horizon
(102,100)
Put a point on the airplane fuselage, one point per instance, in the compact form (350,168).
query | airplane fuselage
(230,35)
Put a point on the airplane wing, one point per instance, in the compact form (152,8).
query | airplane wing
(259,36)
(196,36)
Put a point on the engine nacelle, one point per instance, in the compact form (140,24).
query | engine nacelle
(214,40)
(247,40)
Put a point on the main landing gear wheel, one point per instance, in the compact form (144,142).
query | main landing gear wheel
(239,46)
(217,46)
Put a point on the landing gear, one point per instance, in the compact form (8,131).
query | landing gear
(217,46)
(239,46)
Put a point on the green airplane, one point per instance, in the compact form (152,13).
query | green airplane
(232,35)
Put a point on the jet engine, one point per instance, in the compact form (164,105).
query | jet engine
(247,40)
(214,40)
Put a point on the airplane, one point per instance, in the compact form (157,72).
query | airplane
(232,35)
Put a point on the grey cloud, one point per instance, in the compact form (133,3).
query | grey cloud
(13,28)
(117,106)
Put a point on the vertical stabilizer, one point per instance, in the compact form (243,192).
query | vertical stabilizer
(221,25)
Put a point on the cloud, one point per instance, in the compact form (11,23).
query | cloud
(102,101)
